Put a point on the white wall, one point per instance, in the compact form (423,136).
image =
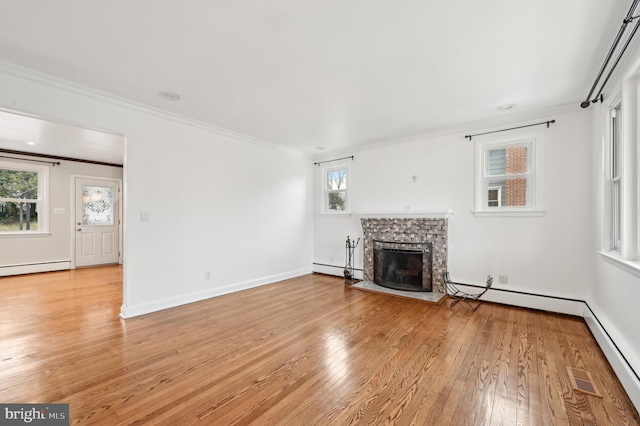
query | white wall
(543,255)
(55,247)
(216,202)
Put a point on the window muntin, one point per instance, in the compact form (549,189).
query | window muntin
(23,206)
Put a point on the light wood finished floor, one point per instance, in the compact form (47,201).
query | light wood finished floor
(302,352)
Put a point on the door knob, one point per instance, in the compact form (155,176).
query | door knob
(79,229)
(79,223)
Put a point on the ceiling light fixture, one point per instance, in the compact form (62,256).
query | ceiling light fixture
(170,96)
(506,107)
(30,143)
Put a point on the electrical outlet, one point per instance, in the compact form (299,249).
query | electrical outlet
(504,279)
(207,275)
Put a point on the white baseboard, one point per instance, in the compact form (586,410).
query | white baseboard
(33,268)
(338,271)
(171,302)
(629,380)
(531,301)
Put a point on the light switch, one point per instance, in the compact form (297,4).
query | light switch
(58,210)
(144,216)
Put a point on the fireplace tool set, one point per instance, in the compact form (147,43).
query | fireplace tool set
(348,269)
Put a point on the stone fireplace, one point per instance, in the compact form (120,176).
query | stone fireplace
(407,233)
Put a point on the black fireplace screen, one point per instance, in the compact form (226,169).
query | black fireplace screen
(403,266)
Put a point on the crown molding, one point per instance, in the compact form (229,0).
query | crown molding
(89,92)
(479,126)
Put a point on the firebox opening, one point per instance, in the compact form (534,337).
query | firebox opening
(402,268)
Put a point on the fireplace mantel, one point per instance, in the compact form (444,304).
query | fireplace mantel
(422,214)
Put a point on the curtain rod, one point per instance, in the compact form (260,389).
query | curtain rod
(329,161)
(599,96)
(55,157)
(626,21)
(53,163)
(512,128)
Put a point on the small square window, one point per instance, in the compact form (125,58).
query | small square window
(505,177)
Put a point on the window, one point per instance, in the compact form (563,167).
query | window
(336,192)
(616,201)
(495,196)
(620,211)
(620,236)
(23,206)
(506,179)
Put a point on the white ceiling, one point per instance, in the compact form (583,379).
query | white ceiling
(321,73)
(35,135)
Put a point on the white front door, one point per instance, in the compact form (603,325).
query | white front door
(97,221)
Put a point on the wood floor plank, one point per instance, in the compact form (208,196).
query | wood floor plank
(552,407)
(503,411)
(302,351)
(471,407)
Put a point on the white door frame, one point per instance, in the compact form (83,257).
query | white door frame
(72,218)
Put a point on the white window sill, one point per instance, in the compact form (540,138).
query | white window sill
(509,213)
(24,234)
(345,214)
(630,266)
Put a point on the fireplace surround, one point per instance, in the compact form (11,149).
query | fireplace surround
(408,230)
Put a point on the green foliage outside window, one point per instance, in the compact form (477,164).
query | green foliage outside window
(15,186)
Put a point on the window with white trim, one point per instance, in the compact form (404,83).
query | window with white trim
(506,176)
(23,198)
(336,190)
(615,178)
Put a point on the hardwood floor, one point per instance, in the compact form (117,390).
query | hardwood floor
(301,352)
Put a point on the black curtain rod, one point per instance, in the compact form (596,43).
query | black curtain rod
(329,161)
(55,157)
(627,20)
(54,163)
(512,128)
(599,96)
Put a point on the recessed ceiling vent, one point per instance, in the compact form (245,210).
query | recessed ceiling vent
(170,96)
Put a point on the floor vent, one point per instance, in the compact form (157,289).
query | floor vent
(583,382)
